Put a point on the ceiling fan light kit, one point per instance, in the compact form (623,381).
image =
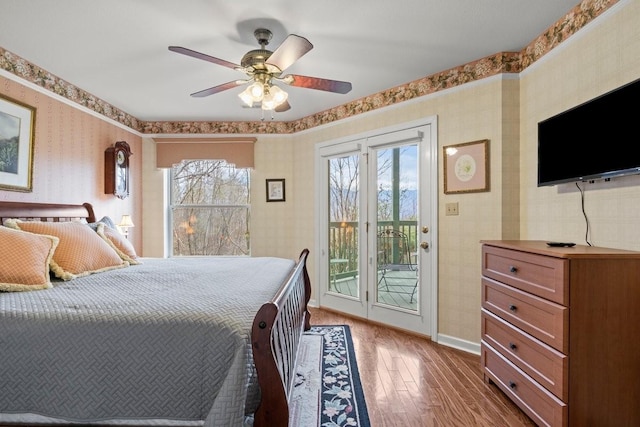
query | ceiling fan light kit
(262,67)
(269,96)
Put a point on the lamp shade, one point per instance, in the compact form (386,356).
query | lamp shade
(253,93)
(126,222)
(245,96)
(273,98)
(256,90)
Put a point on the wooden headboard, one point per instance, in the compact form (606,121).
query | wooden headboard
(51,212)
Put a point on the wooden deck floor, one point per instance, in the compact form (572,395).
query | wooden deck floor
(397,288)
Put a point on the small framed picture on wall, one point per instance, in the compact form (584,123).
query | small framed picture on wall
(275,190)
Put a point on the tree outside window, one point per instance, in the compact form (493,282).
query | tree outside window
(210,205)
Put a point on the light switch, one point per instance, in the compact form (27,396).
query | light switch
(451,208)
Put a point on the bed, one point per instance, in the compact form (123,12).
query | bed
(179,341)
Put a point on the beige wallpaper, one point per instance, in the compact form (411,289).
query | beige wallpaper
(68,164)
(271,230)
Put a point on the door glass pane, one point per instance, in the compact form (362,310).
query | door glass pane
(397,220)
(343,217)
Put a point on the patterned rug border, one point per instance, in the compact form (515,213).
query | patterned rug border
(342,397)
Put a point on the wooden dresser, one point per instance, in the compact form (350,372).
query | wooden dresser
(561,331)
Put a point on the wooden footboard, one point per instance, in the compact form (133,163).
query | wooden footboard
(277,330)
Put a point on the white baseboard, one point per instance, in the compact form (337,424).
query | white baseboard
(464,345)
(449,341)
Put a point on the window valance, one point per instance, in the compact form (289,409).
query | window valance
(238,151)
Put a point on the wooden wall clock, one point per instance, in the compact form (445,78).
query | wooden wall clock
(116,169)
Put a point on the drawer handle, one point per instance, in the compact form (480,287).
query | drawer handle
(512,307)
(513,269)
(512,385)
(512,346)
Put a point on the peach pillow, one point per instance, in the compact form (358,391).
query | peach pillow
(25,260)
(80,251)
(119,243)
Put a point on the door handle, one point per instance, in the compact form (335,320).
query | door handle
(424,245)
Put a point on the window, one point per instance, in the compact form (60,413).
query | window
(210,208)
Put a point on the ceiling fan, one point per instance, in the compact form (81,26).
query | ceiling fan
(264,67)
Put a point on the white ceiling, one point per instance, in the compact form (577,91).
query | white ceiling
(118,51)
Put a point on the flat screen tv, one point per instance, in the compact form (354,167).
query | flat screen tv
(599,139)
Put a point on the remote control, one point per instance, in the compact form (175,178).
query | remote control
(561,244)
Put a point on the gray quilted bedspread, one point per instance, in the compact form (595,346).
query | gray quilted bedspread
(165,340)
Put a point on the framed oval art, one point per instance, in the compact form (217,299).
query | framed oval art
(466,167)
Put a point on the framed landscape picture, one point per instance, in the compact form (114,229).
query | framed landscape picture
(17,127)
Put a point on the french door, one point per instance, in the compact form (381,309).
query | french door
(377,198)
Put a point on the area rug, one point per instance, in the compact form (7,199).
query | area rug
(327,391)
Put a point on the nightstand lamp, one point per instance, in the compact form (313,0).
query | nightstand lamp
(125,225)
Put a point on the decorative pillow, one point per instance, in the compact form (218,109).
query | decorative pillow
(80,251)
(104,220)
(119,243)
(25,260)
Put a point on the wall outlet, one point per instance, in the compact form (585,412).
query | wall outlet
(452,208)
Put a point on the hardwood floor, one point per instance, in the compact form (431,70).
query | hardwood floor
(411,381)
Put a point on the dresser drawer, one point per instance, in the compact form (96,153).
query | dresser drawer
(540,275)
(543,407)
(541,362)
(543,319)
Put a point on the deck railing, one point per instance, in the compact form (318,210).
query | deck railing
(343,244)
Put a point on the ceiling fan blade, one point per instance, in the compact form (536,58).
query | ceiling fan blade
(198,55)
(216,89)
(292,49)
(336,86)
(283,107)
